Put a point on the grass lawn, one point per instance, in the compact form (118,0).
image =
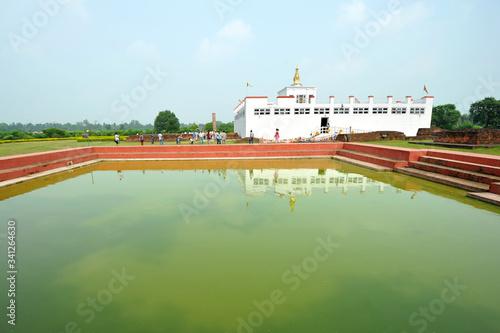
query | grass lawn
(18,148)
(406,144)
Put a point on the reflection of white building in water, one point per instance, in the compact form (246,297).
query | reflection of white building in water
(300,182)
(298,113)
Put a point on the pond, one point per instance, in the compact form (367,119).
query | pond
(249,246)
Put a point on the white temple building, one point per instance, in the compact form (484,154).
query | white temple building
(298,113)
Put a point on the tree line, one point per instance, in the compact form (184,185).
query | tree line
(482,114)
(167,122)
(79,126)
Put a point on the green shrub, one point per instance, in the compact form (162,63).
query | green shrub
(466,124)
(55,133)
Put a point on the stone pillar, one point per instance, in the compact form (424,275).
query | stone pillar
(214,122)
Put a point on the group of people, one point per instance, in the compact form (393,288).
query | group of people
(160,138)
(201,136)
(210,136)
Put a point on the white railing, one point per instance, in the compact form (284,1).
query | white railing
(345,130)
(336,130)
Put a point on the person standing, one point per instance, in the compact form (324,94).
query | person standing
(153,138)
(160,138)
(224,137)
(201,137)
(117,138)
(219,138)
(178,138)
(250,141)
(141,137)
(277,135)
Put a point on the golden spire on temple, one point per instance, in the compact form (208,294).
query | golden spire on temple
(296,79)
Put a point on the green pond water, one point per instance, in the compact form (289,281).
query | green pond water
(316,246)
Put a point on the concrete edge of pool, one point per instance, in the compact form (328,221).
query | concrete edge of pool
(477,173)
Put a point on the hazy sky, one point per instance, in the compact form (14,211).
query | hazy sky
(114,61)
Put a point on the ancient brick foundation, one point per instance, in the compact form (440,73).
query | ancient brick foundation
(371,136)
(428,133)
(483,136)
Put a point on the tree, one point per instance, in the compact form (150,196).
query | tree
(226,127)
(486,112)
(464,118)
(55,133)
(166,121)
(445,116)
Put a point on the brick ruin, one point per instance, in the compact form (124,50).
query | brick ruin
(371,136)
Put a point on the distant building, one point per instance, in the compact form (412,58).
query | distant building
(298,113)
